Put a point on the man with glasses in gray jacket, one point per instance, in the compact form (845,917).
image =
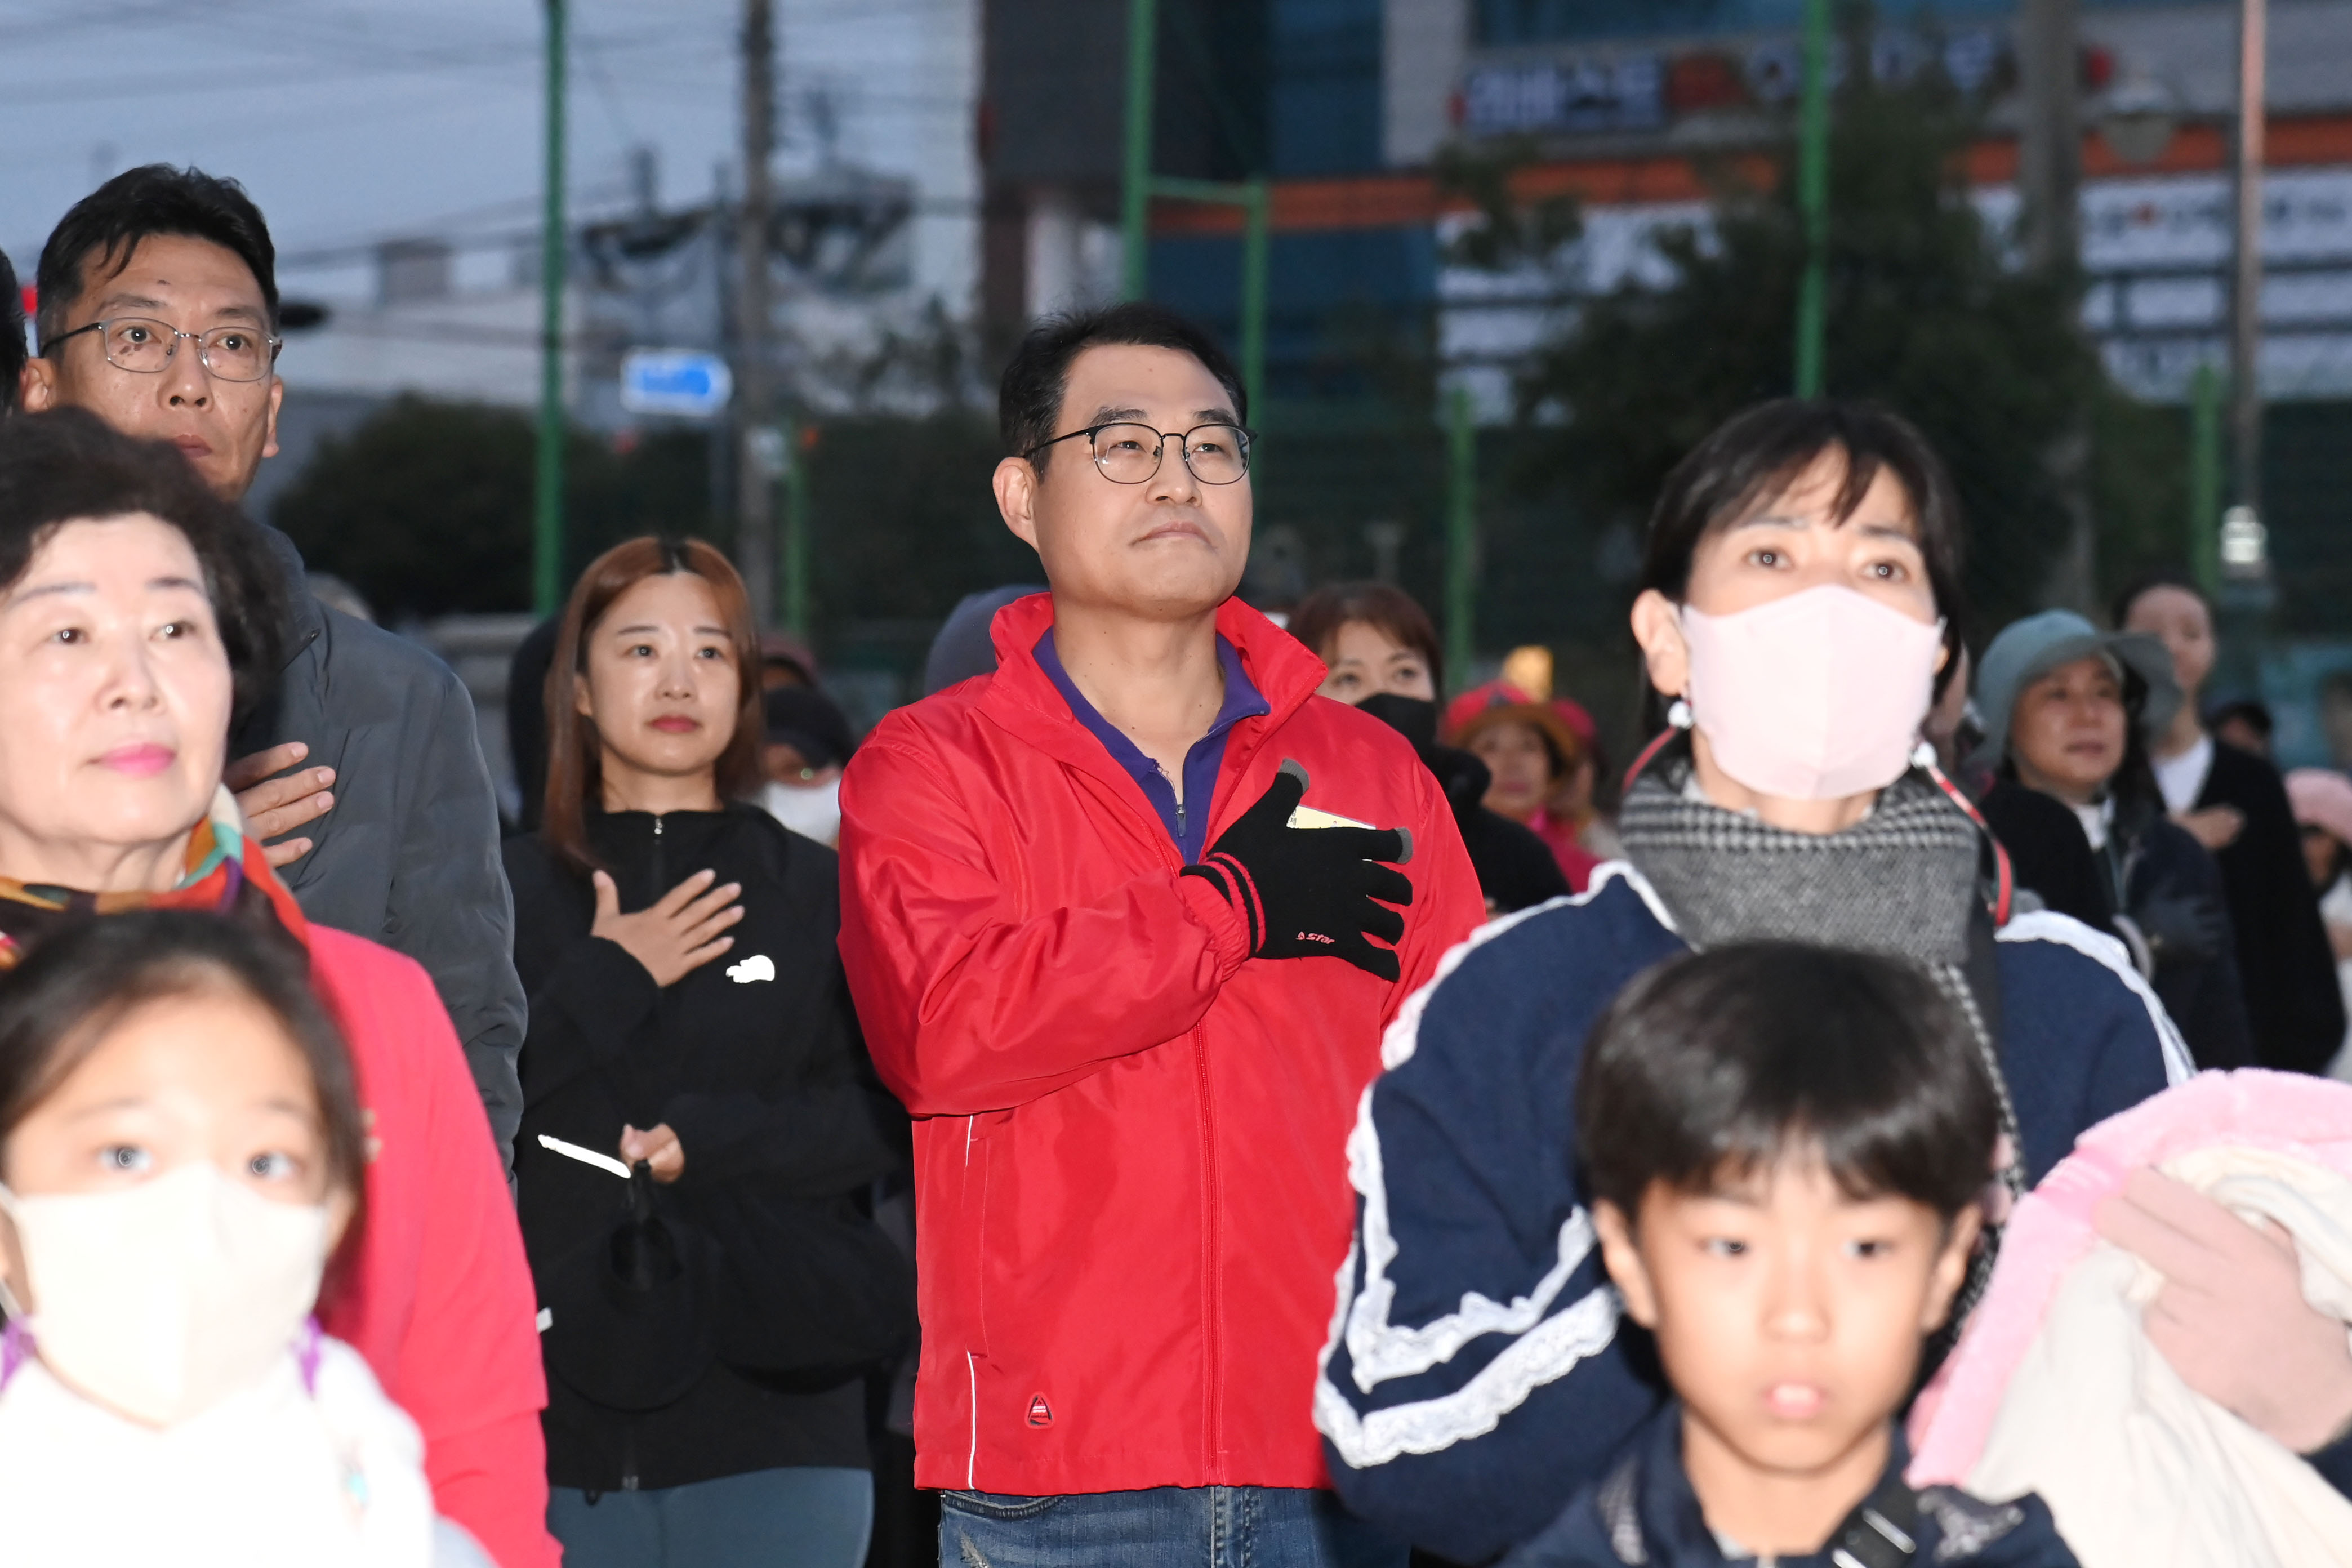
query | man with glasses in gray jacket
(157,312)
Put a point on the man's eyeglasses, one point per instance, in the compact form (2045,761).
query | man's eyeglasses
(144,347)
(1130,454)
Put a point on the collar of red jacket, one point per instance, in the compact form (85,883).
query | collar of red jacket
(1023,699)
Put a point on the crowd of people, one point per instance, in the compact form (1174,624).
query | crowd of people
(1184,1090)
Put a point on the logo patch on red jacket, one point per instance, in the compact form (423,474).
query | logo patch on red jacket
(1040,1412)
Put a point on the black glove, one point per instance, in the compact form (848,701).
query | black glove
(2181,928)
(1308,892)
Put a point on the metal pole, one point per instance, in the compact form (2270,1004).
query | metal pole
(1254,244)
(1461,534)
(2205,479)
(2049,182)
(2246,325)
(799,441)
(2050,171)
(754,320)
(547,521)
(1813,200)
(1134,192)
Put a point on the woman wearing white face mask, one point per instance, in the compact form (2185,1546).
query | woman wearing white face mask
(135,611)
(1800,578)
(180,1156)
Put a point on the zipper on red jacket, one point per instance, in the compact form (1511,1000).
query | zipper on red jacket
(1212,1272)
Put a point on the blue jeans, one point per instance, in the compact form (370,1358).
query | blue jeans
(799,1518)
(1179,1527)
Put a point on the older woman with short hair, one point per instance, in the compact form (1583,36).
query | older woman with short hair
(2069,711)
(137,619)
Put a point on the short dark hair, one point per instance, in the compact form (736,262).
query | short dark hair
(79,982)
(2251,711)
(2156,577)
(106,226)
(1029,398)
(67,464)
(12,332)
(1760,451)
(1316,620)
(1708,1068)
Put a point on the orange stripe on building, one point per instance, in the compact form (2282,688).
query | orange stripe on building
(1413,200)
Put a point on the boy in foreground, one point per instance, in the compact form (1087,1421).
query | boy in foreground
(1786,1147)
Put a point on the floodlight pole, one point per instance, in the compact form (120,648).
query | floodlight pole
(1461,534)
(1258,204)
(1135,189)
(1813,199)
(547,523)
(1256,198)
(800,443)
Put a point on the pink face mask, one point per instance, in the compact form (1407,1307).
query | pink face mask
(1818,696)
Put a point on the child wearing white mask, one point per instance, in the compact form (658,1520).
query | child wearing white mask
(180,1153)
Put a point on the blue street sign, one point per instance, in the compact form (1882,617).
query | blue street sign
(684,382)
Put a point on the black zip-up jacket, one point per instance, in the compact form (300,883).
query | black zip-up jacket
(735,1338)
(409,856)
(2150,863)
(2292,997)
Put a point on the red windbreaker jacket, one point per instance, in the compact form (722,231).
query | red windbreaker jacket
(441,1302)
(1129,1139)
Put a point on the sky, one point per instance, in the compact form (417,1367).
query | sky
(351,122)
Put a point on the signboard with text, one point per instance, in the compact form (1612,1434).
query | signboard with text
(684,383)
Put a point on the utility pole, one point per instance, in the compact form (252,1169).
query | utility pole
(1135,188)
(2050,183)
(1813,200)
(2049,149)
(547,521)
(2205,479)
(759,456)
(2246,293)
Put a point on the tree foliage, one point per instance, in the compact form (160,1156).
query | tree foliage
(1926,315)
(427,506)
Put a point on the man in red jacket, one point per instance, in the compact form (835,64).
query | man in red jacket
(1124,923)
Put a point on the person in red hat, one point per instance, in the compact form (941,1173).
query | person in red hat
(1531,751)
(1587,798)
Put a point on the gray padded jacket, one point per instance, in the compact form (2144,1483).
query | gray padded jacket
(409,855)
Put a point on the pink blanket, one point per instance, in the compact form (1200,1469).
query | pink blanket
(2051,1231)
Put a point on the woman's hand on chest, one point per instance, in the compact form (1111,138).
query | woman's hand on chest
(682,931)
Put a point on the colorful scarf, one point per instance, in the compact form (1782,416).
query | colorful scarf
(226,872)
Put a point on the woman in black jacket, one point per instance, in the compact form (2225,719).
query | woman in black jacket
(1384,657)
(701,1127)
(2067,712)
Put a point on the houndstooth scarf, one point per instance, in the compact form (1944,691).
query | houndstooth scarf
(1901,882)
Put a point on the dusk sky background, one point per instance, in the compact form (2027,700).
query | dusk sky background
(353,122)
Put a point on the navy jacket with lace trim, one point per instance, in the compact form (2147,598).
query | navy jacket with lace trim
(1475,1375)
